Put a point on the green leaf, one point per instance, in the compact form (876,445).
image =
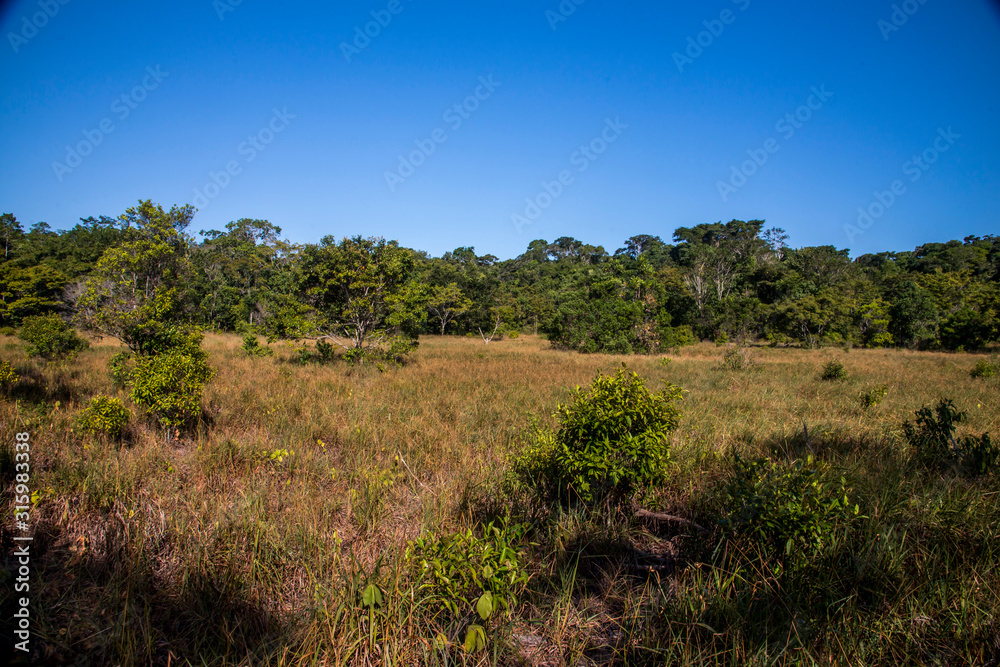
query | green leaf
(371,596)
(485,606)
(475,639)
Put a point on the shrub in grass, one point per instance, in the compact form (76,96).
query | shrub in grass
(612,439)
(8,376)
(469,577)
(253,348)
(833,371)
(8,331)
(739,359)
(49,337)
(788,508)
(120,367)
(106,416)
(985,369)
(873,397)
(932,437)
(170,385)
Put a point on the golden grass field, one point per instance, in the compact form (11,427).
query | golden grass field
(216,546)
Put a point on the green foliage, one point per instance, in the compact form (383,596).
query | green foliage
(325,351)
(985,369)
(253,348)
(170,385)
(8,376)
(932,437)
(789,508)
(29,291)
(8,331)
(873,397)
(106,416)
(612,439)
(722,339)
(464,574)
(833,371)
(674,337)
(120,367)
(49,337)
(739,358)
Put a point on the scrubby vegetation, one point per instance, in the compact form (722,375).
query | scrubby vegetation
(342,496)
(334,514)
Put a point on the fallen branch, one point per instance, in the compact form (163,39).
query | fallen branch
(667,518)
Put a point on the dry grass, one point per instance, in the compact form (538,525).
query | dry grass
(208,547)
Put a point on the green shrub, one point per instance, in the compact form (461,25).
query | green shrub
(788,508)
(8,331)
(120,367)
(8,376)
(612,439)
(325,351)
(673,337)
(722,339)
(49,337)
(932,437)
(469,576)
(395,351)
(104,415)
(253,348)
(985,369)
(739,359)
(874,396)
(170,385)
(833,371)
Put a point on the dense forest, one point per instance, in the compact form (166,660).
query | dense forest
(718,281)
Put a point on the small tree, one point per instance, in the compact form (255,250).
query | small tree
(446,302)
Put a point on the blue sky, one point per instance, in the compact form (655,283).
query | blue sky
(309,118)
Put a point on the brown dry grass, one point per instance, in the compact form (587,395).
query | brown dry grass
(207,541)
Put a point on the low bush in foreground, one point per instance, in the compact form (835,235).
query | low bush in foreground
(106,416)
(932,437)
(613,438)
(833,371)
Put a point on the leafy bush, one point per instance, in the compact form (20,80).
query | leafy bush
(469,576)
(788,508)
(612,438)
(8,331)
(120,367)
(833,371)
(170,384)
(104,415)
(8,376)
(325,351)
(395,351)
(985,369)
(739,359)
(874,396)
(673,337)
(253,348)
(50,337)
(932,437)
(722,339)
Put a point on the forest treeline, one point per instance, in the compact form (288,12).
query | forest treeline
(734,280)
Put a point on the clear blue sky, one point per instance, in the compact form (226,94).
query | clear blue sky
(222,75)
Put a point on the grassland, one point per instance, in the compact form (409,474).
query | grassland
(251,538)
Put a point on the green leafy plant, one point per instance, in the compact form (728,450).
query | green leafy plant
(833,371)
(470,577)
(739,358)
(325,351)
(253,348)
(932,437)
(106,416)
(873,397)
(49,337)
(120,367)
(8,376)
(8,331)
(789,508)
(613,438)
(985,369)
(170,385)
